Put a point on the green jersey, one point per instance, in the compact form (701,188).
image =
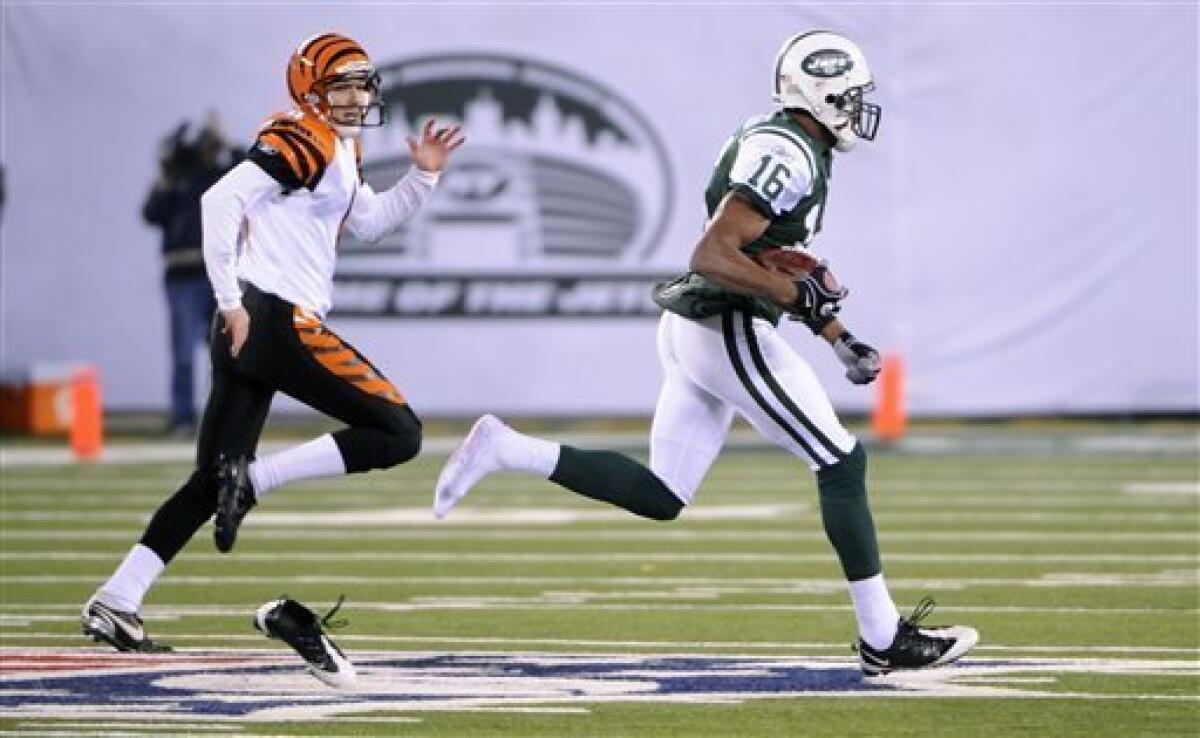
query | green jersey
(783,172)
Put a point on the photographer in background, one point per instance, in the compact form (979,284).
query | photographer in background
(186,169)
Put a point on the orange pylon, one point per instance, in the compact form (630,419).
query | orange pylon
(87,417)
(889,419)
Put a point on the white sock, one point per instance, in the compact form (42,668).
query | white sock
(520,452)
(877,615)
(320,457)
(127,586)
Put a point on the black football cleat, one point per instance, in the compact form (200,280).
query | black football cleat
(915,647)
(300,628)
(121,630)
(235,497)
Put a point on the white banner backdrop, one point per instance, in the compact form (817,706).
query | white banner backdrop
(1023,230)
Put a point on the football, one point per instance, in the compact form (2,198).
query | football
(794,263)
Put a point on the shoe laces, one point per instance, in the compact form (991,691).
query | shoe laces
(921,611)
(327,619)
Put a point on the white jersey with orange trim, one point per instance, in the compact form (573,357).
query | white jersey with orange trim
(274,220)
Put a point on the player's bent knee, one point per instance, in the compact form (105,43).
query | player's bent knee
(402,441)
(405,446)
(845,478)
(386,443)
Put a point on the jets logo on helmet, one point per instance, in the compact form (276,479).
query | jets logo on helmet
(827,63)
(324,62)
(827,75)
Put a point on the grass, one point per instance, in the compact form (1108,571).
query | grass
(1079,571)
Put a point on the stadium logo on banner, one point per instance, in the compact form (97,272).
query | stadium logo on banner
(552,208)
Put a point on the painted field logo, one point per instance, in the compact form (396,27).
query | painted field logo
(264,686)
(552,208)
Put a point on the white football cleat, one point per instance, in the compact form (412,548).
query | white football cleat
(120,629)
(476,457)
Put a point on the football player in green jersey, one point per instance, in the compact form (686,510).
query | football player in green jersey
(721,353)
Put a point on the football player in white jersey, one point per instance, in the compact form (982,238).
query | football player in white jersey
(270,228)
(721,353)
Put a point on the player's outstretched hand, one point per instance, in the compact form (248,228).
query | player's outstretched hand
(432,151)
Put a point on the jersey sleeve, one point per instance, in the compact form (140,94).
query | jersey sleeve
(293,150)
(774,170)
(373,215)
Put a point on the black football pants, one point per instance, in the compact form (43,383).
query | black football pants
(289,350)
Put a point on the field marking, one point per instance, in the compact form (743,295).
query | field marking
(39,507)
(1105,487)
(729,470)
(1188,489)
(701,647)
(1150,445)
(747,535)
(423,516)
(602,558)
(215,727)
(252,690)
(26,615)
(1166,578)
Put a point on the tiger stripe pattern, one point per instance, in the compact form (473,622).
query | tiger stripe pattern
(341,359)
(306,143)
(318,59)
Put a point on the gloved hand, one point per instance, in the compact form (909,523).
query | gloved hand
(818,299)
(862,362)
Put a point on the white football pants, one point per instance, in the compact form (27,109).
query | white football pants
(727,363)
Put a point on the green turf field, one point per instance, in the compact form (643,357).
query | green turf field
(533,612)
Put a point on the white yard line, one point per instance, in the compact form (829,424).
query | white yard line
(450,533)
(318,557)
(1042,489)
(99,503)
(423,515)
(1065,580)
(213,727)
(836,646)
(990,445)
(1184,489)
(26,615)
(561,516)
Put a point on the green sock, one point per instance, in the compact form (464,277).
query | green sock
(847,515)
(611,477)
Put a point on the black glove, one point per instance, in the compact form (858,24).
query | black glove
(862,362)
(817,300)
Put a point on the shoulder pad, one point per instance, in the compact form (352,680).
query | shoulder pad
(304,142)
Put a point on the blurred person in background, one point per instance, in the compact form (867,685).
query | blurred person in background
(187,168)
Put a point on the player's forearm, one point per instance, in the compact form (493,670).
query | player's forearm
(720,258)
(375,215)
